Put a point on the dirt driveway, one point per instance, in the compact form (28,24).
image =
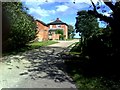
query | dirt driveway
(38,68)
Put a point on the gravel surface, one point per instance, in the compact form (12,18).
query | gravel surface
(38,68)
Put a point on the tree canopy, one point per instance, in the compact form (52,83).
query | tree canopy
(103,48)
(113,20)
(71,31)
(60,31)
(21,27)
(86,24)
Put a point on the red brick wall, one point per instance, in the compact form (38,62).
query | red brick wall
(42,31)
(64,27)
(55,36)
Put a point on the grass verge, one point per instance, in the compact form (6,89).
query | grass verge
(30,46)
(39,44)
(83,75)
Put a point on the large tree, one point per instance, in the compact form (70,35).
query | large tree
(18,27)
(86,25)
(113,20)
(71,31)
(106,45)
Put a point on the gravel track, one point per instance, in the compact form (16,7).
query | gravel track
(38,68)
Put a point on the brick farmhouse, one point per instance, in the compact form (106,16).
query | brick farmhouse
(47,31)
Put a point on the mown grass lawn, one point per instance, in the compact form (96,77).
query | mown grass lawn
(39,44)
(30,46)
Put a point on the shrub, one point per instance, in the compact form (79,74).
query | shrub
(21,26)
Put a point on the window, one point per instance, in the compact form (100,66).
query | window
(58,26)
(50,26)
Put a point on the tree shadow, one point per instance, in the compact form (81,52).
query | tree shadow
(97,60)
(47,63)
(83,69)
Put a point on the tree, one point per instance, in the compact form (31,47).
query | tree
(71,31)
(60,31)
(113,20)
(86,25)
(20,28)
(105,44)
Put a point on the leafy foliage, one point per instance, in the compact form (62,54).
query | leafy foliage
(21,26)
(86,24)
(113,20)
(30,46)
(71,31)
(101,50)
(60,31)
(98,65)
(108,46)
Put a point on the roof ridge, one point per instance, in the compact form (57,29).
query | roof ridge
(57,21)
(41,22)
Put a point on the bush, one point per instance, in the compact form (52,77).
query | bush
(60,31)
(21,26)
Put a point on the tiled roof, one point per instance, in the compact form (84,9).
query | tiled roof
(56,22)
(42,22)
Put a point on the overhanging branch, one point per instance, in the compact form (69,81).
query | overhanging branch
(109,4)
(101,16)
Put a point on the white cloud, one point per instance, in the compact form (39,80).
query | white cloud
(33,1)
(36,9)
(108,13)
(72,23)
(40,1)
(61,8)
(84,1)
(52,1)
(41,12)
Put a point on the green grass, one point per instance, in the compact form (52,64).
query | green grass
(39,44)
(69,39)
(72,53)
(87,83)
(76,48)
(29,46)
(79,70)
(85,80)
(76,43)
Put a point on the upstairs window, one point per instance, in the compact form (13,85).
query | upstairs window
(50,26)
(58,26)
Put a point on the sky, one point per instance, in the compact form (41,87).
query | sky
(65,10)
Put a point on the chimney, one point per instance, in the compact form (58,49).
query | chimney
(57,19)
